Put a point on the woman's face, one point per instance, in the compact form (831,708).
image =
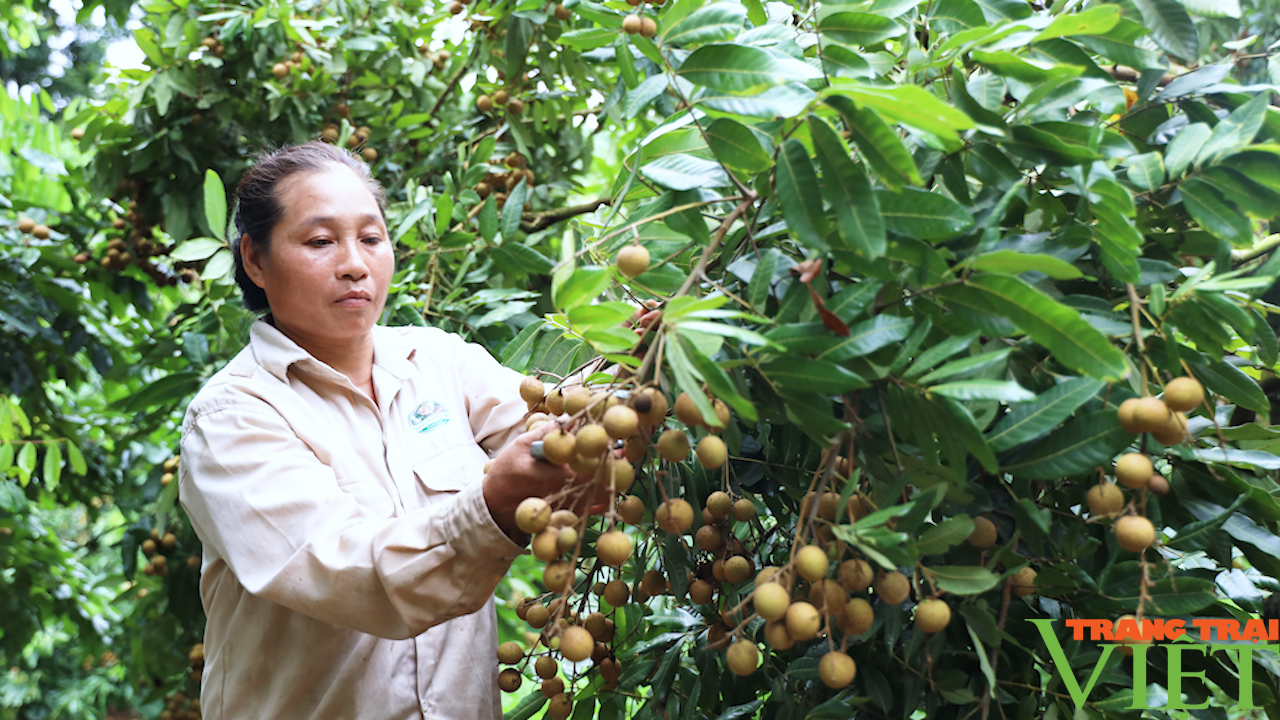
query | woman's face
(330,262)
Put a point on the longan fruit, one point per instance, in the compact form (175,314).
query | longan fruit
(531,389)
(1174,432)
(369,154)
(1125,415)
(855,575)
(533,514)
(777,637)
(515,106)
(1150,414)
(1135,533)
(26,225)
(653,583)
(1024,582)
(673,445)
(932,615)
(1133,470)
(560,707)
(1183,394)
(893,588)
(616,593)
(712,452)
(631,24)
(658,406)
(720,504)
(558,576)
(510,652)
(687,412)
(1105,499)
(509,680)
(648,27)
(546,545)
(743,657)
(633,260)
(559,447)
(546,667)
(576,399)
(592,441)
(1158,485)
(41,231)
(280,70)
(566,539)
(708,538)
(169,541)
(812,562)
(613,548)
(620,422)
(552,687)
(859,616)
(743,510)
(837,669)
(803,620)
(576,643)
(985,534)
(771,601)
(563,518)
(484,103)
(737,569)
(675,516)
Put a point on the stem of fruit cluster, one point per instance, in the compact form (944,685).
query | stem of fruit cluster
(1134,318)
(714,245)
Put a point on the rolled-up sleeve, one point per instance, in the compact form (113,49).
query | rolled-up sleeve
(262,500)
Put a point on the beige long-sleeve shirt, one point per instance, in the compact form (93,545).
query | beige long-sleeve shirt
(349,556)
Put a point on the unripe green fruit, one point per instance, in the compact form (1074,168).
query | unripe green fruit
(1105,499)
(532,389)
(803,621)
(837,669)
(1183,394)
(859,616)
(743,657)
(532,514)
(812,563)
(613,548)
(673,445)
(576,643)
(932,615)
(633,260)
(893,588)
(1134,470)
(984,535)
(1135,533)
(510,652)
(771,601)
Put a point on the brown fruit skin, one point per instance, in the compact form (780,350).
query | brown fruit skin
(812,563)
(708,538)
(1150,414)
(777,637)
(855,575)
(737,569)
(592,441)
(613,548)
(559,447)
(560,707)
(633,260)
(576,644)
(1105,499)
(533,514)
(932,615)
(1158,485)
(1183,394)
(77,133)
(510,653)
(1135,533)
(26,225)
(984,535)
(562,13)
(1174,432)
(648,27)
(41,232)
(484,103)
(859,616)
(1024,582)
(712,452)
(743,510)
(280,70)
(837,669)
(673,445)
(546,667)
(719,504)
(532,389)
(631,24)
(621,422)
(616,593)
(687,412)
(552,687)
(369,154)
(631,508)
(701,592)
(893,588)
(509,680)
(674,516)
(558,576)
(516,106)
(657,407)
(771,601)
(803,620)
(1133,470)
(743,657)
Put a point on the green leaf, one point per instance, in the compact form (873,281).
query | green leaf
(1199,534)
(528,706)
(922,214)
(52,465)
(196,249)
(1213,8)
(858,28)
(1230,382)
(911,105)
(584,285)
(1237,130)
(1182,595)
(1146,171)
(1215,214)
(718,22)
(858,221)
(167,390)
(975,363)
(737,146)
(420,211)
(736,332)
(942,537)
(1170,26)
(588,38)
(1094,21)
(685,172)
(963,579)
(868,336)
(75,460)
(1120,241)
(806,375)
(718,381)
(797,187)
(511,211)
(939,352)
(1003,390)
(1184,148)
(1074,342)
(1031,420)
(1012,262)
(489,219)
(843,62)
(215,204)
(1082,444)
(879,145)
(742,70)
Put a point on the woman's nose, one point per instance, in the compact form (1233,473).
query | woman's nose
(351,261)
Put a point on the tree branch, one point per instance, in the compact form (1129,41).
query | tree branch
(533,222)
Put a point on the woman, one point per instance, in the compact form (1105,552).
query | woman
(334,472)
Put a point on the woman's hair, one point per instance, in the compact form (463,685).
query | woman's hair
(258,208)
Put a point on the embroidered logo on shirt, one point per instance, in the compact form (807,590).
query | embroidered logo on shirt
(428,416)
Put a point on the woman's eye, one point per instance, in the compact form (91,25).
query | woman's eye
(318,242)
(372,239)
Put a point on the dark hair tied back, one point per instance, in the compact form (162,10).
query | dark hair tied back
(258,207)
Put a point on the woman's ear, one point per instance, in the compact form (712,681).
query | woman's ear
(252,258)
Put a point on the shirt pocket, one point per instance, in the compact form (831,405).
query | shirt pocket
(370,495)
(449,471)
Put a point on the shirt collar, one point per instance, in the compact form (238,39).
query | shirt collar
(276,353)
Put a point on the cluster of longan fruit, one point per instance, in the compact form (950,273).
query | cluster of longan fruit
(500,97)
(1166,420)
(504,182)
(331,132)
(27,226)
(636,25)
(281,70)
(212,44)
(179,707)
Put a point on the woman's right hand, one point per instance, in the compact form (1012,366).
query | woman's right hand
(515,475)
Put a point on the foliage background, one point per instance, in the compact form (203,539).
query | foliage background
(990,184)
